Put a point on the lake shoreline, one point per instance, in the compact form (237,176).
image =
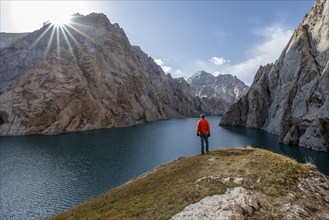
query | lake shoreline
(75,167)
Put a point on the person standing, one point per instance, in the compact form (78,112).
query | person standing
(203,130)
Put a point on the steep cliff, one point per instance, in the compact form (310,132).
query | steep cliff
(291,97)
(217,93)
(84,76)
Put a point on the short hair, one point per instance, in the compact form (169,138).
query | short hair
(202,115)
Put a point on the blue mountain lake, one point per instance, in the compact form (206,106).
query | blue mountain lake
(44,175)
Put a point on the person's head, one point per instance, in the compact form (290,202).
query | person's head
(202,116)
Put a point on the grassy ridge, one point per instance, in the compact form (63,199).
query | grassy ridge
(169,188)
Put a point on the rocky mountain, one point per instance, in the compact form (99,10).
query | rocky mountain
(291,97)
(85,75)
(218,93)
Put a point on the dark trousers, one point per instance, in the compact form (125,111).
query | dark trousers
(204,138)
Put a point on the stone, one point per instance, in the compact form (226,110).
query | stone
(225,180)
(232,205)
(238,180)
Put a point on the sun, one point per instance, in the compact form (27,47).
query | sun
(29,15)
(59,20)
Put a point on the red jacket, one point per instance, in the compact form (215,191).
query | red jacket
(203,127)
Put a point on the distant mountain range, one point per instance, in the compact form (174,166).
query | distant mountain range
(219,92)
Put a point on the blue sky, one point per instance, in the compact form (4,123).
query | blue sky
(184,37)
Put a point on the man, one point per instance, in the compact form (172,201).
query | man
(203,130)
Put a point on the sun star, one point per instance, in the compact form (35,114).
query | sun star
(60,20)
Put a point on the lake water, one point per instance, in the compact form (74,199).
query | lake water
(43,175)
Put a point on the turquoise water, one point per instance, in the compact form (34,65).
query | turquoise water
(43,175)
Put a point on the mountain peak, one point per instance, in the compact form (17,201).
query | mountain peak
(218,92)
(224,86)
(202,72)
(201,77)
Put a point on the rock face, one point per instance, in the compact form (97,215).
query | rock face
(17,56)
(291,97)
(82,77)
(7,39)
(218,93)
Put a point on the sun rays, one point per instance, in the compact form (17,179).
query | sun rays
(62,33)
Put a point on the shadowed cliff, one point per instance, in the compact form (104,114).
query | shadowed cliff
(291,97)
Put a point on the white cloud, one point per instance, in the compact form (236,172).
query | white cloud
(175,73)
(162,64)
(218,60)
(166,69)
(275,38)
(159,62)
